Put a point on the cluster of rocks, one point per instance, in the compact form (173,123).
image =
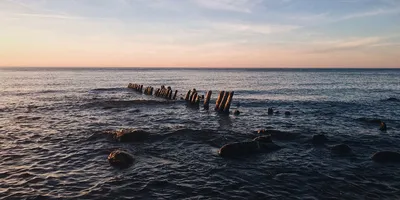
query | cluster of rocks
(260,144)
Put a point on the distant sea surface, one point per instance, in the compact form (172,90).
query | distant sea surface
(52,144)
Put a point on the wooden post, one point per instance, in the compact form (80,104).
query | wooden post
(176,92)
(187,95)
(219,99)
(197,102)
(193,100)
(228,102)
(223,102)
(191,96)
(207,100)
(169,94)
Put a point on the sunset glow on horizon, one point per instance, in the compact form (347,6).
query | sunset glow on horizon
(200,33)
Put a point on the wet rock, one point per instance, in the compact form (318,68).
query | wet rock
(279,135)
(341,149)
(319,139)
(287,113)
(236,112)
(386,156)
(261,144)
(392,99)
(383,127)
(119,158)
(130,135)
(270,111)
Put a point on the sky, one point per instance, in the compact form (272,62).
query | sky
(200,33)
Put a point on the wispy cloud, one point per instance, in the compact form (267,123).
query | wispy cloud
(244,6)
(345,45)
(253,28)
(370,13)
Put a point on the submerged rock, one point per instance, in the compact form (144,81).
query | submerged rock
(382,126)
(279,135)
(236,112)
(261,144)
(319,139)
(129,135)
(386,156)
(119,158)
(341,149)
(270,111)
(287,113)
(392,99)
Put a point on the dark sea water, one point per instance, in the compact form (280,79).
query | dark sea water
(52,144)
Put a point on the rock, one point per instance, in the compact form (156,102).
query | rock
(236,112)
(383,127)
(386,156)
(130,135)
(119,158)
(270,111)
(265,139)
(341,149)
(287,113)
(319,139)
(279,135)
(392,99)
(261,144)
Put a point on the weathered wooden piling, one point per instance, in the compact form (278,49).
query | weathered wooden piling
(223,102)
(207,100)
(176,93)
(219,99)
(187,95)
(228,102)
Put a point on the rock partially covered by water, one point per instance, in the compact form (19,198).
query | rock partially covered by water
(119,158)
(319,139)
(386,156)
(279,135)
(261,144)
(392,99)
(236,112)
(287,113)
(341,149)
(383,127)
(129,135)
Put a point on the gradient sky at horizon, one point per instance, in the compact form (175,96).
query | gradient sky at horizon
(200,33)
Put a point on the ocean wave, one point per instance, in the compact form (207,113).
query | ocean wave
(107,104)
(115,89)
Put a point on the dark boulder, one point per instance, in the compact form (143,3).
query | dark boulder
(279,135)
(261,144)
(129,135)
(270,111)
(319,139)
(236,112)
(386,156)
(382,126)
(341,149)
(119,158)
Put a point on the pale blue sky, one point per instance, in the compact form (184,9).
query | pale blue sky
(200,33)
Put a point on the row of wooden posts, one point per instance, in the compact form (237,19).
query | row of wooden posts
(137,87)
(192,97)
(166,93)
(222,104)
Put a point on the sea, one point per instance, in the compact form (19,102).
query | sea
(53,143)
